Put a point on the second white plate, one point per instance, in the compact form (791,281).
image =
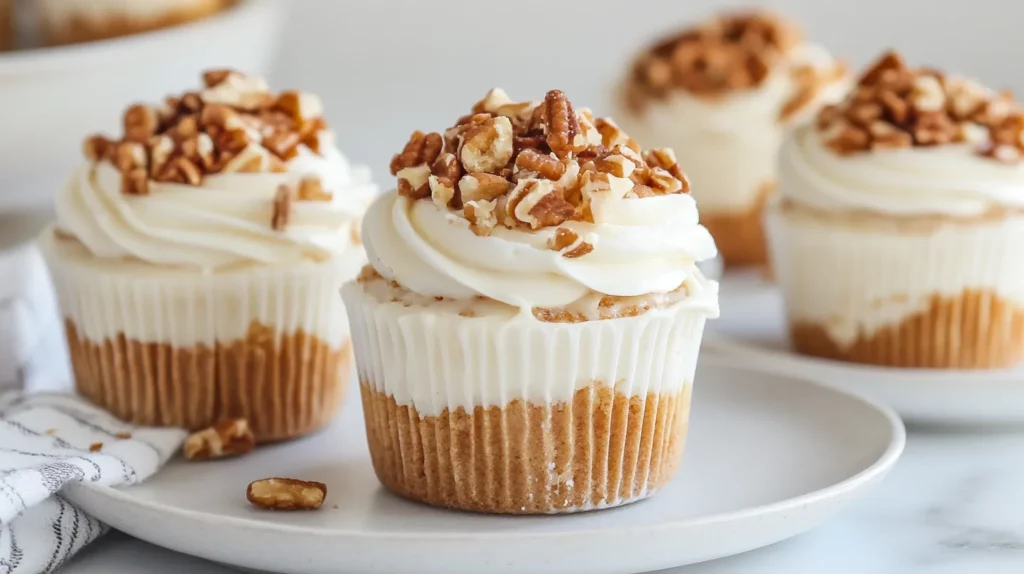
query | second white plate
(752,331)
(768,457)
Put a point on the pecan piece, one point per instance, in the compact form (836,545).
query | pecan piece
(140,123)
(300,106)
(560,125)
(229,437)
(414,182)
(282,207)
(543,165)
(421,149)
(537,203)
(569,243)
(135,182)
(286,494)
(482,216)
(482,186)
(442,191)
(487,146)
(96,148)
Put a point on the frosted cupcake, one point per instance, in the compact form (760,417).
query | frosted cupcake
(722,95)
(897,237)
(527,332)
(198,258)
(73,21)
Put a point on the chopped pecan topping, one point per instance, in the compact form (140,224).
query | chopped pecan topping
(895,106)
(525,165)
(234,125)
(732,52)
(282,208)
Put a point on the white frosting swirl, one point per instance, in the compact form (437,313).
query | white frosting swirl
(223,222)
(950,180)
(642,246)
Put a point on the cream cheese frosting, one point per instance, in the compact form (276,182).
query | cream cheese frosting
(652,247)
(221,223)
(949,180)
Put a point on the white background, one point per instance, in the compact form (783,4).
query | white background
(387,67)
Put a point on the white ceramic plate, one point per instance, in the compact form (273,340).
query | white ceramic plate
(752,330)
(769,457)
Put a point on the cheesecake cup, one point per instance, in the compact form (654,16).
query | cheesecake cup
(895,237)
(723,94)
(197,259)
(527,331)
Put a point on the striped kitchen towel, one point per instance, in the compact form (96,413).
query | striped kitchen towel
(48,441)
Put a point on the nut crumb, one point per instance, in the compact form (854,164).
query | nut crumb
(123,435)
(286,494)
(229,437)
(282,208)
(96,447)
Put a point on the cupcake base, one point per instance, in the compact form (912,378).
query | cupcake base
(88,28)
(285,386)
(740,236)
(600,450)
(977,330)
(918,292)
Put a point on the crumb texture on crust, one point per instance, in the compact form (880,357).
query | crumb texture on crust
(284,385)
(598,450)
(976,330)
(896,106)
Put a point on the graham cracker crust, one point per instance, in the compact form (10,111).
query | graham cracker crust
(76,30)
(600,450)
(978,330)
(740,236)
(284,388)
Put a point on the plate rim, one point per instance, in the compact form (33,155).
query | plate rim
(864,477)
(731,344)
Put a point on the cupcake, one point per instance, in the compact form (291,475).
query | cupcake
(74,21)
(527,330)
(198,258)
(722,95)
(897,235)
